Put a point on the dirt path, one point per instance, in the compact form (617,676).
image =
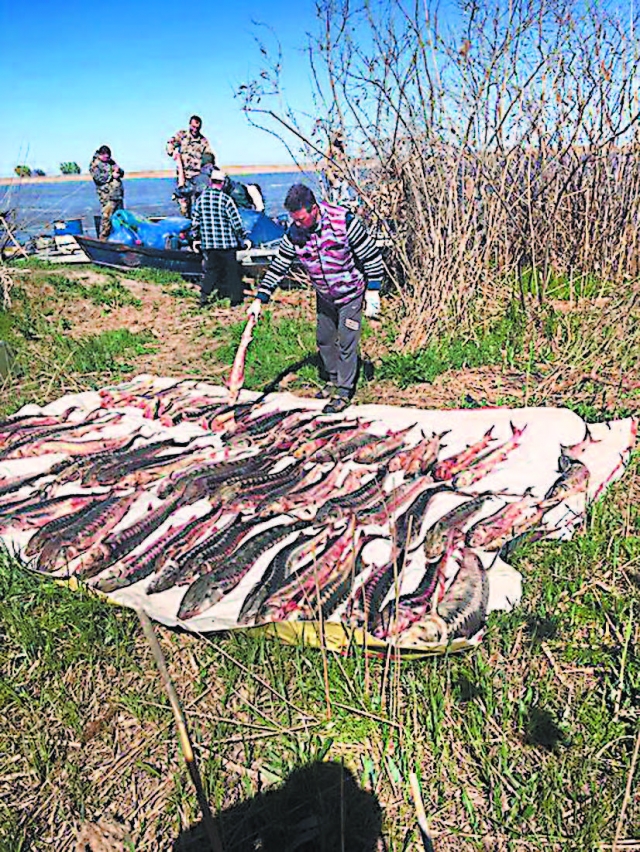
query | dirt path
(184,340)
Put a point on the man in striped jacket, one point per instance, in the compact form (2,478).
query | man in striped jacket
(218,227)
(345,268)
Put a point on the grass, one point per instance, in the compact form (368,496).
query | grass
(533,283)
(526,743)
(47,359)
(109,294)
(280,346)
(502,343)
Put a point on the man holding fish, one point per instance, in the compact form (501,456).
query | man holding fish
(345,268)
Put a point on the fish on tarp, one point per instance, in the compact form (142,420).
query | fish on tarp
(236,378)
(573,480)
(448,467)
(461,612)
(404,610)
(510,521)
(484,464)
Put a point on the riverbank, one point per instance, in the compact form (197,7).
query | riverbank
(232,170)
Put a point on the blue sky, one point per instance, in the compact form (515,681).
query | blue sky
(129,75)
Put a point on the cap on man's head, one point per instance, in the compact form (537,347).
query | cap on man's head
(217,176)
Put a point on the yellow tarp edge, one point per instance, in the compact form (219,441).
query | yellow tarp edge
(337,637)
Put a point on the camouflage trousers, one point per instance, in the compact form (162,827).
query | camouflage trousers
(108,209)
(185,206)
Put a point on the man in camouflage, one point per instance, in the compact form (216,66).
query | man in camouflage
(188,148)
(107,176)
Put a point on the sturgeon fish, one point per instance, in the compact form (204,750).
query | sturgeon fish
(352,501)
(278,571)
(212,585)
(236,378)
(510,521)
(401,612)
(419,459)
(303,589)
(460,614)
(487,462)
(170,564)
(447,468)
(37,514)
(135,567)
(116,545)
(381,448)
(455,520)
(573,480)
(83,530)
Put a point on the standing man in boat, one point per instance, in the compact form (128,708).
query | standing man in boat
(219,230)
(107,176)
(346,269)
(188,148)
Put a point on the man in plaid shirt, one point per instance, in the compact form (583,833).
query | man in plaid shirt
(219,229)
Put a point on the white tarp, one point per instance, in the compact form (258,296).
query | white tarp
(530,469)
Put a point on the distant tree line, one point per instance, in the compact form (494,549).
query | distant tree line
(65,168)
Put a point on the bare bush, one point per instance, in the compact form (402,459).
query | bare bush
(502,139)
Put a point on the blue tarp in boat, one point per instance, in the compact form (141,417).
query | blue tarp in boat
(132,229)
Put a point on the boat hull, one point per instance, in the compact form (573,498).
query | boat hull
(186,263)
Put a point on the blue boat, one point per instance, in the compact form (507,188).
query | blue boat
(265,235)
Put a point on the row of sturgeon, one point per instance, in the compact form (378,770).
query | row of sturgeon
(307,497)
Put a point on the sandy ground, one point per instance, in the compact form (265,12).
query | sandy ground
(232,170)
(182,335)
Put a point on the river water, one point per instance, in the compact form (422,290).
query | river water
(37,206)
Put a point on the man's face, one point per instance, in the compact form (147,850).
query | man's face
(304,218)
(194,128)
(103,157)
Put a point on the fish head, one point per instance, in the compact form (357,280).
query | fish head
(430,630)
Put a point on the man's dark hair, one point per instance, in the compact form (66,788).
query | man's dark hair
(299,196)
(196,118)
(104,149)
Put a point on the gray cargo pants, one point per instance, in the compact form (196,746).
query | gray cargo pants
(337,336)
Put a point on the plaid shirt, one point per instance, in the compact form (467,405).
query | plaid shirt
(217,221)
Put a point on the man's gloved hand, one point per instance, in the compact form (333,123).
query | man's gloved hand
(254,309)
(196,245)
(372,304)
(246,244)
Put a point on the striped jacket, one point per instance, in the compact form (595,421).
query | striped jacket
(333,258)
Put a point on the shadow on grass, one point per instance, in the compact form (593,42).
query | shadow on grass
(319,808)
(311,359)
(543,731)
(365,371)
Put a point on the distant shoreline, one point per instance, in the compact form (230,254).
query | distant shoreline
(169,173)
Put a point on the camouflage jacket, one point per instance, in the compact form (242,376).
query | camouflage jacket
(191,148)
(108,186)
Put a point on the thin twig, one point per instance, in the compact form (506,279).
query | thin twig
(183,733)
(421,815)
(627,792)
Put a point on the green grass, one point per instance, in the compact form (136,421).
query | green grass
(523,744)
(279,347)
(151,276)
(502,343)
(533,283)
(45,356)
(109,294)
